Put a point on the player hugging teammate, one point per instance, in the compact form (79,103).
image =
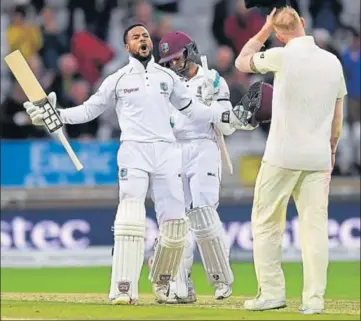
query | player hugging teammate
(200,143)
(201,171)
(149,158)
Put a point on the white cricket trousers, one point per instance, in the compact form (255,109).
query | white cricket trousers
(310,190)
(156,166)
(201,172)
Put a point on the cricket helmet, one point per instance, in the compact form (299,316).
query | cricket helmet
(175,44)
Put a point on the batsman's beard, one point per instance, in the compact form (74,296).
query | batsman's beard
(143,59)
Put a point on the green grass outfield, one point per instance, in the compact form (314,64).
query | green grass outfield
(81,293)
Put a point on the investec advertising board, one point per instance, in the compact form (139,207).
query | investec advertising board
(83,237)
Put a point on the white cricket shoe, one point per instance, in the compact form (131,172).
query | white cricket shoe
(261,304)
(173,298)
(191,298)
(309,311)
(161,292)
(223,291)
(123,299)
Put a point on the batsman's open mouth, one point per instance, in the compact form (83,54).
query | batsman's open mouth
(144,49)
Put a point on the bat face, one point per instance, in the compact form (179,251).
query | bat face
(33,90)
(25,77)
(36,94)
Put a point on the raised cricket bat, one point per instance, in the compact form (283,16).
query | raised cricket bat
(36,94)
(219,136)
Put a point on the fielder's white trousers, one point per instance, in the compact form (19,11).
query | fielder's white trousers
(156,166)
(310,190)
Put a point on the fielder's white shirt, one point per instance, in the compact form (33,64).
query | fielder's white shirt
(141,98)
(308,80)
(186,128)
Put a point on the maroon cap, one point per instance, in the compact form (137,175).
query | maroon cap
(172,45)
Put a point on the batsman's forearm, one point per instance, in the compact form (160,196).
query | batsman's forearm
(79,114)
(337,123)
(86,112)
(75,115)
(225,128)
(198,111)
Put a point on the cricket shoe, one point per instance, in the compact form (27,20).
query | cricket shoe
(161,292)
(309,311)
(262,304)
(223,291)
(191,297)
(123,299)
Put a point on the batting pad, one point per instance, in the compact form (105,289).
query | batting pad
(128,255)
(205,223)
(181,280)
(169,251)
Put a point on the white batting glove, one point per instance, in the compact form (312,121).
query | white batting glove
(243,123)
(210,86)
(230,118)
(246,127)
(36,113)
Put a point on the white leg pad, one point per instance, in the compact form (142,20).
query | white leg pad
(207,228)
(128,255)
(168,252)
(180,287)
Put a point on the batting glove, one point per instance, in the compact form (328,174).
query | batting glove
(229,117)
(210,86)
(244,117)
(36,113)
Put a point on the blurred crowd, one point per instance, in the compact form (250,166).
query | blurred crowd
(72,45)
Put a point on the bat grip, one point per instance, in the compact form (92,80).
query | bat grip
(70,151)
(204,62)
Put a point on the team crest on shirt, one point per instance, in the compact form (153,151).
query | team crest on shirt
(262,55)
(164,88)
(199,91)
(123,174)
(164,47)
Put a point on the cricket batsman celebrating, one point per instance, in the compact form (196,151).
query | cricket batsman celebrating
(309,89)
(201,170)
(141,92)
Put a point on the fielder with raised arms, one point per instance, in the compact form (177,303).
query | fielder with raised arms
(141,92)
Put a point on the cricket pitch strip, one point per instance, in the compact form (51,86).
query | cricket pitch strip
(95,306)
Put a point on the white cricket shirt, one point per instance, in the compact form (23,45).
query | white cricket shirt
(141,98)
(308,80)
(186,128)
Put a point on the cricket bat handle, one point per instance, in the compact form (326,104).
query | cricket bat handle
(78,165)
(224,152)
(219,136)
